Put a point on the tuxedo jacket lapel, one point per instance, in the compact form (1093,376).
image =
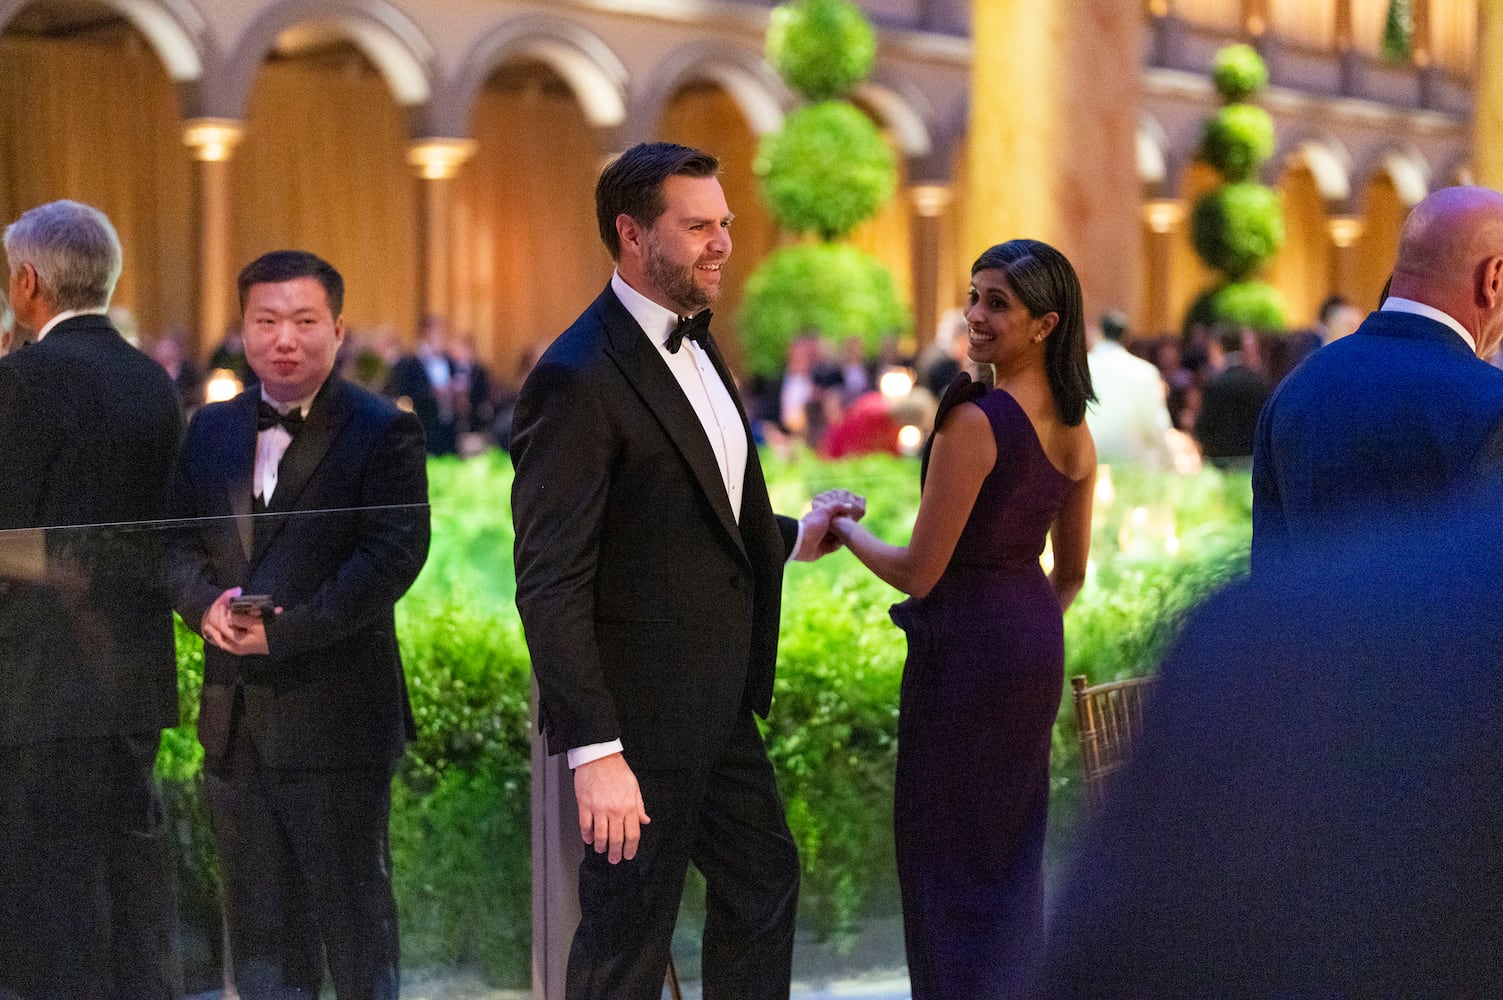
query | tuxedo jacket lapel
(650,377)
(325,419)
(239,483)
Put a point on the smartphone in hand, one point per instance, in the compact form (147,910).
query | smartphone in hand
(260,605)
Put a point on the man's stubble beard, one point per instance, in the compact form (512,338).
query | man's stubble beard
(674,281)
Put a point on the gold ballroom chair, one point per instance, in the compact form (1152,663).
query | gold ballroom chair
(1109,719)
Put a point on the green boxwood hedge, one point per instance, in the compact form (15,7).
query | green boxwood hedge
(1237,228)
(821,48)
(1238,72)
(460,828)
(826,171)
(1238,139)
(830,290)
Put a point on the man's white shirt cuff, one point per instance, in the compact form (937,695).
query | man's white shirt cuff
(593,751)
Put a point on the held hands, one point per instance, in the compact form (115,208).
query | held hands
(611,811)
(236,632)
(818,537)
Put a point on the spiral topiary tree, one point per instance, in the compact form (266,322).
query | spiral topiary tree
(1237,228)
(823,174)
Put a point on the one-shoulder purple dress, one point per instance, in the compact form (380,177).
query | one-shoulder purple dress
(981,687)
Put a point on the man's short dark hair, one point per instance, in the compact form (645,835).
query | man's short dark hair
(288,265)
(1114,324)
(632,184)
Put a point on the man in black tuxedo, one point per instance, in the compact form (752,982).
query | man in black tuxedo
(1403,411)
(312,493)
(649,571)
(89,427)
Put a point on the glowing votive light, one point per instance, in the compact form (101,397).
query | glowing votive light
(222,385)
(896,383)
(909,439)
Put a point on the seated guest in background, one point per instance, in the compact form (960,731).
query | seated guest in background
(874,424)
(1311,811)
(945,356)
(1405,409)
(425,379)
(169,352)
(856,374)
(89,428)
(1231,399)
(311,493)
(1129,421)
(474,405)
(230,356)
(1335,319)
(506,395)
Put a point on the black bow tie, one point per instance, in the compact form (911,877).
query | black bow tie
(267,417)
(696,328)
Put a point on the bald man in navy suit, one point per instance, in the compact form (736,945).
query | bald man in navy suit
(1406,410)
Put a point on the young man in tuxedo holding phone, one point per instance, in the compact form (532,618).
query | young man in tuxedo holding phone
(309,496)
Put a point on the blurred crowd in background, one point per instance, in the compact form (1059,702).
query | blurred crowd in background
(1168,401)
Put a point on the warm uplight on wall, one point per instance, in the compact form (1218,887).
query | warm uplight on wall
(212,139)
(1345,230)
(440,159)
(1159,8)
(930,200)
(1163,214)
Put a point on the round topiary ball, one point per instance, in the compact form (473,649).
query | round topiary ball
(821,48)
(1237,228)
(1239,72)
(827,171)
(828,290)
(1255,304)
(1238,140)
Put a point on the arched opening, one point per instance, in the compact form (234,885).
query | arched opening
(527,252)
(322,167)
(1383,214)
(90,112)
(1301,270)
(704,114)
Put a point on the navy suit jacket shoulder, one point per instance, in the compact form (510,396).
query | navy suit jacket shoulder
(1398,413)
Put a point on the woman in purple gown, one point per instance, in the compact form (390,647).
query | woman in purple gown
(1004,469)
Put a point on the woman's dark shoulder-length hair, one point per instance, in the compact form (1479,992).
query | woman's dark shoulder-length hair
(1045,282)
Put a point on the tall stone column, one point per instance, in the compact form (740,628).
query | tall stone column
(1055,94)
(1487,93)
(437,161)
(213,141)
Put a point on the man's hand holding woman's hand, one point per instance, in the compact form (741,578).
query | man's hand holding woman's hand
(817,539)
